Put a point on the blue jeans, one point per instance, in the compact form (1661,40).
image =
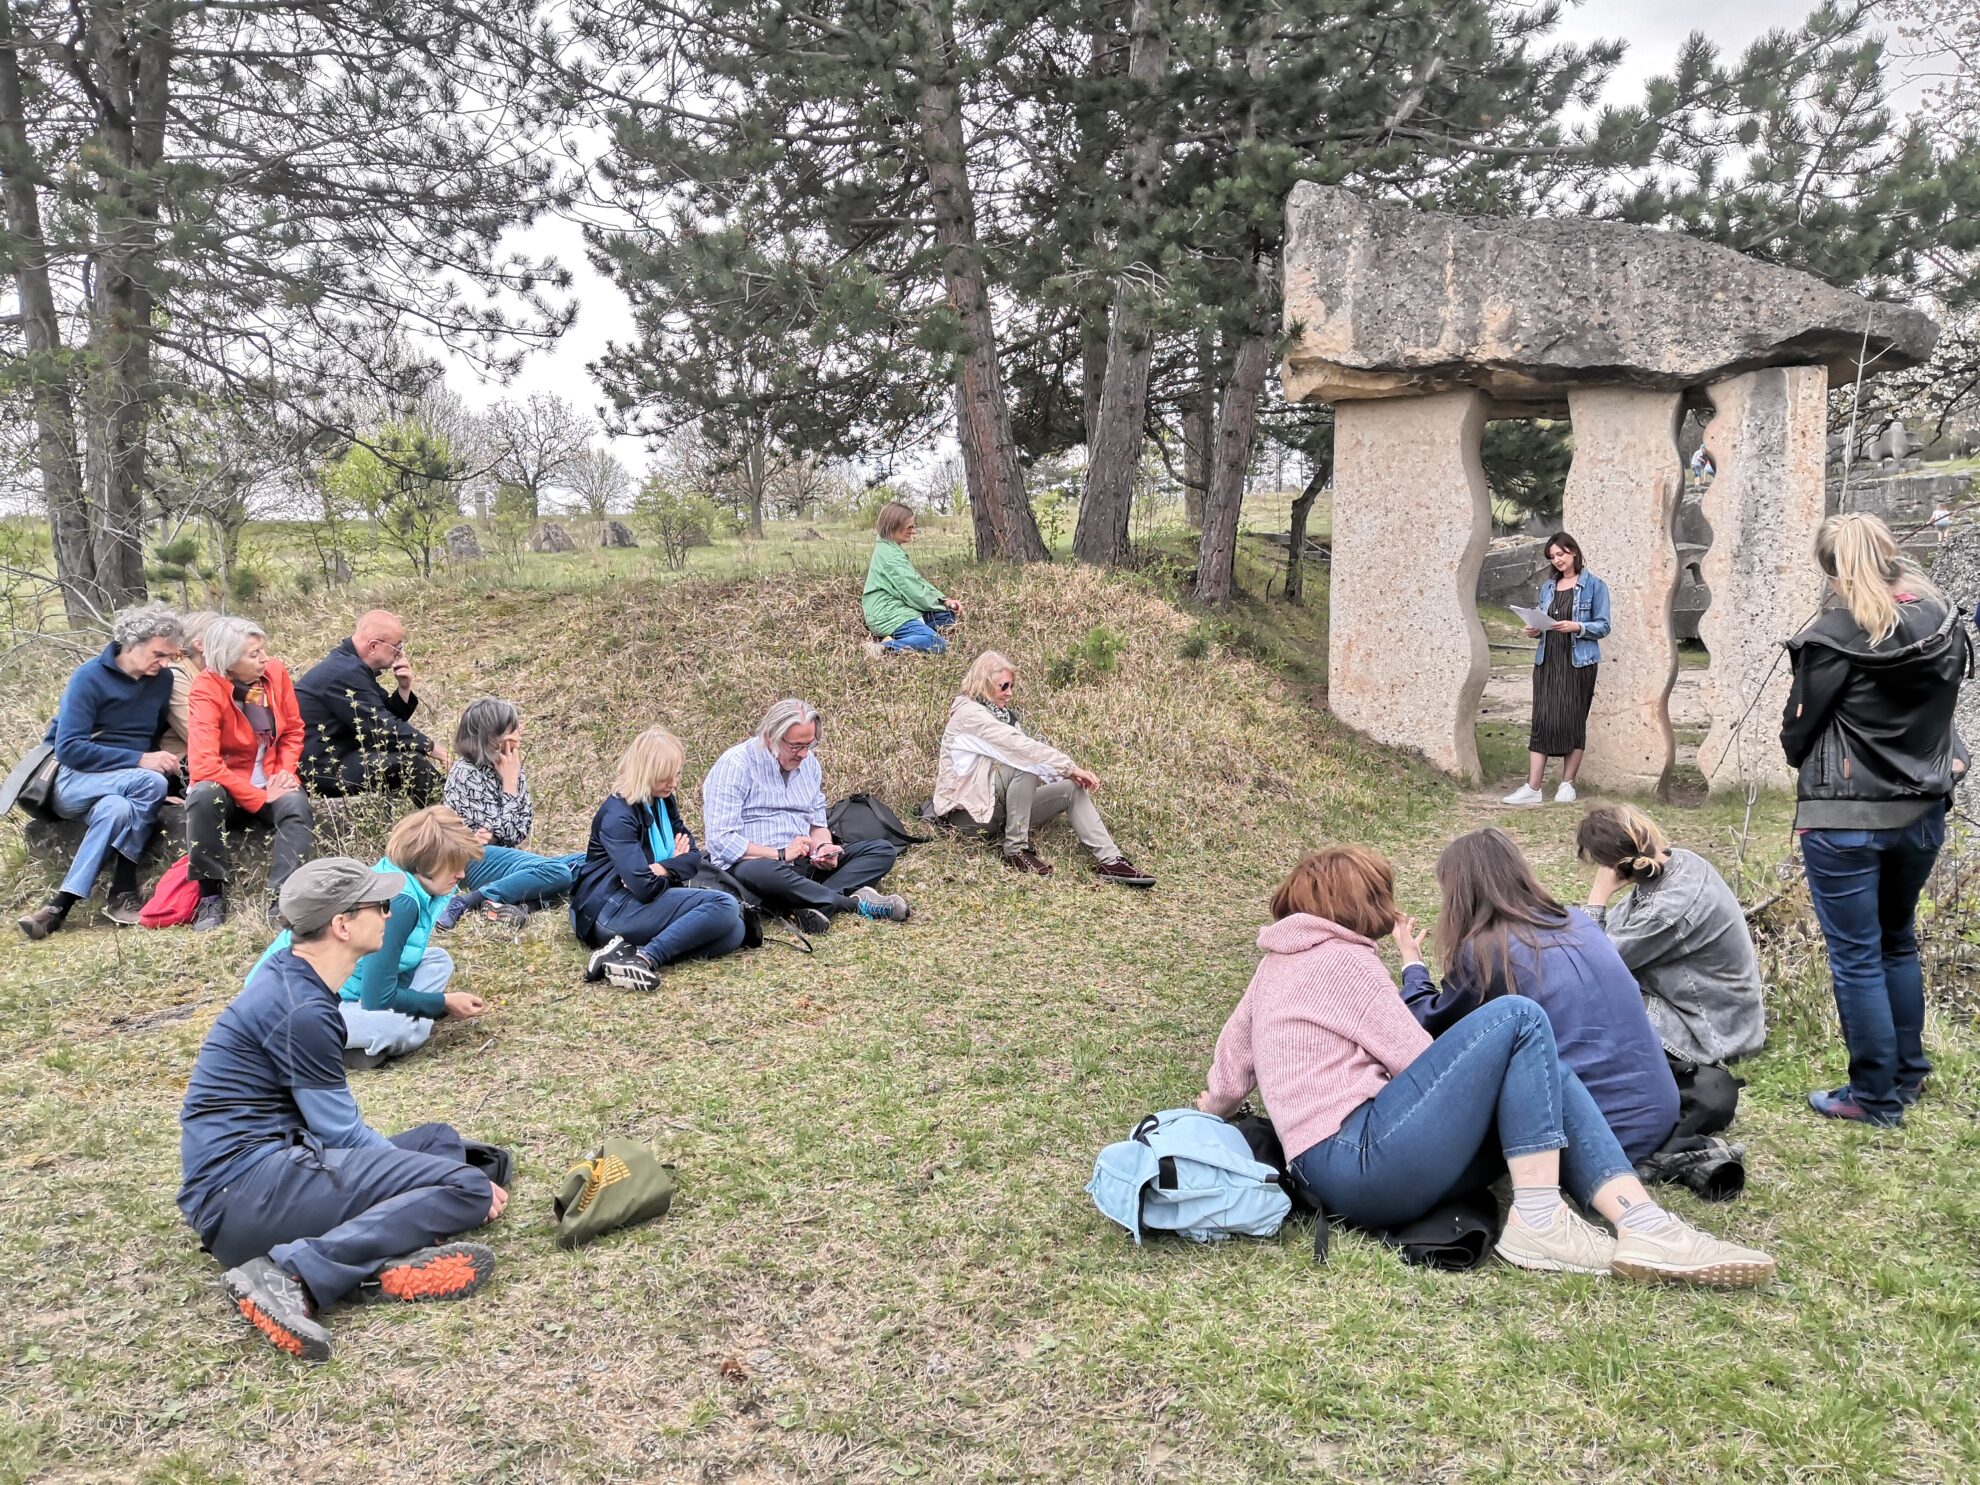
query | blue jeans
(394,1033)
(680,922)
(1865,884)
(333,1218)
(1428,1134)
(505,874)
(122,806)
(919,634)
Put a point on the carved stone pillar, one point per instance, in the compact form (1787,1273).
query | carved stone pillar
(1622,495)
(1406,655)
(1768,439)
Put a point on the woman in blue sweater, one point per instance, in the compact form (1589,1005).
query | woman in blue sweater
(630,901)
(1501,933)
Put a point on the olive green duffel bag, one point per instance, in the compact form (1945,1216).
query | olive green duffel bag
(622,1183)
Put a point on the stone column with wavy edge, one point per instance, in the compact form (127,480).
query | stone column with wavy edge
(1406,655)
(1621,504)
(1768,439)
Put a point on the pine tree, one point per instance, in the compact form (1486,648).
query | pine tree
(264,193)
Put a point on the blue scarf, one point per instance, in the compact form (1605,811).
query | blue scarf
(660,833)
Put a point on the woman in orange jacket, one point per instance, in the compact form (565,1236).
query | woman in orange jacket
(245,744)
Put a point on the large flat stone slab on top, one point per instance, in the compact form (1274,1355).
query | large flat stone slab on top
(1385,301)
(1406,655)
(1769,438)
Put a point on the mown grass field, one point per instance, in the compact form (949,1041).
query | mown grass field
(881,1264)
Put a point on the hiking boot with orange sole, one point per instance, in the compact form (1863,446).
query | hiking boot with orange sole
(275,1303)
(445,1271)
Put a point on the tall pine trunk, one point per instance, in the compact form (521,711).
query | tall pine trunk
(1113,443)
(983,413)
(1199,427)
(1230,453)
(57,456)
(1302,508)
(131,57)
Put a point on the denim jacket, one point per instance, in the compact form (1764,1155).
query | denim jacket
(1591,612)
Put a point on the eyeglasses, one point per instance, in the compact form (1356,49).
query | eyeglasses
(791,747)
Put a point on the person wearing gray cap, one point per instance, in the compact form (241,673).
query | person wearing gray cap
(284,1182)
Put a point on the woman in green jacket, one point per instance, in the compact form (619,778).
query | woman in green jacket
(904,611)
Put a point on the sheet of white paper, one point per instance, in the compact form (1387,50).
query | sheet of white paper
(1532,618)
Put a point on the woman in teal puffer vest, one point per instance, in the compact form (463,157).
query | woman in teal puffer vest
(395,994)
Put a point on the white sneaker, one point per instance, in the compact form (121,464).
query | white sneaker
(1679,1253)
(1570,1246)
(1525,794)
(1565,794)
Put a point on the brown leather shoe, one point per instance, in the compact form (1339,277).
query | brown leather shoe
(43,921)
(1123,871)
(1027,861)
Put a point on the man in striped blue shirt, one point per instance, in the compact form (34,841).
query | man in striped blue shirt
(763,811)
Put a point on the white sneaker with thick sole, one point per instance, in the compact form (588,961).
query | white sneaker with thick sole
(1565,794)
(1570,1246)
(1525,794)
(1678,1253)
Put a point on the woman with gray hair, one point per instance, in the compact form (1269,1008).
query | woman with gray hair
(990,776)
(114,772)
(178,725)
(487,789)
(246,736)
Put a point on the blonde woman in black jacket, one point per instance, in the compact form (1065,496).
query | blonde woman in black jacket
(1869,725)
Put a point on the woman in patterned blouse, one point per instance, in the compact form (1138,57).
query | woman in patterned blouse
(486,788)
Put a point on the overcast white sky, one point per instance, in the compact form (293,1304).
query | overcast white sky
(1653,29)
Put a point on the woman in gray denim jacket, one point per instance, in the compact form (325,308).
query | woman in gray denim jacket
(1681,932)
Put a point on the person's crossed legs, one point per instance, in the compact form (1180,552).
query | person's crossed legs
(788,886)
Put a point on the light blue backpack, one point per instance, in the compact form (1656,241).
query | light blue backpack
(1188,1172)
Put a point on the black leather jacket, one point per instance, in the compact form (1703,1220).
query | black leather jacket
(1870,726)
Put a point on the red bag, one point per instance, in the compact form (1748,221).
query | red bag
(174,900)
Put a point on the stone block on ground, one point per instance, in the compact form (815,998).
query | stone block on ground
(616,534)
(550,537)
(463,545)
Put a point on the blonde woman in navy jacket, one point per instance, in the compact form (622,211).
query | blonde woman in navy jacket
(630,901)
(1576,603)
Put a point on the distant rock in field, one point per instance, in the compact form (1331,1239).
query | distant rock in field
(550,537)
(810,533)
(616,534)
(462,544)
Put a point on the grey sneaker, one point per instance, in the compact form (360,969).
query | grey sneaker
(124,908)
(209,915)
(506,914)
(888,905)
(1679,1253)
(1570,1246)
(274,1302)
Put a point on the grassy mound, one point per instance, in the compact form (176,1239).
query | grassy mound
(881,1264)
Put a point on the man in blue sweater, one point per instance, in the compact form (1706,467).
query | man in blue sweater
(283,1180)
(113,771)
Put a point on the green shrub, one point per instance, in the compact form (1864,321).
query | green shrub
(1195,644)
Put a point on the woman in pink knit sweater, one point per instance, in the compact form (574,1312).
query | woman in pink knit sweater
(1380,1123)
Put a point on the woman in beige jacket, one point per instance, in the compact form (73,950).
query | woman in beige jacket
(991,776)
